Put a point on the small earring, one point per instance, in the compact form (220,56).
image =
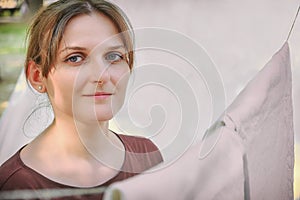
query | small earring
(40,87)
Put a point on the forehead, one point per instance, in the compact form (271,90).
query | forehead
(88,31)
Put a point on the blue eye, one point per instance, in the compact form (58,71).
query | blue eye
(114,57)
(74,59)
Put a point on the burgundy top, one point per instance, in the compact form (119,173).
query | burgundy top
(141,154)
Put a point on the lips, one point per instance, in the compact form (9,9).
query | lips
(102,94)
(99,95)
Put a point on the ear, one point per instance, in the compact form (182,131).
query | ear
(35,77)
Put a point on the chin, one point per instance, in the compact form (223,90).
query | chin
(104,118)
(90,116)
(103,115)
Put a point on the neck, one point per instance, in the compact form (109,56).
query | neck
(88,141)
(71,136)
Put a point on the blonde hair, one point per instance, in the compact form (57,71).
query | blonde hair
(46,31)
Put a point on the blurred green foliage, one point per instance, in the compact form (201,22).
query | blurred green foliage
(12,55)
(12,38)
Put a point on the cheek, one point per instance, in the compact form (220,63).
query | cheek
(60,88)
(120,79)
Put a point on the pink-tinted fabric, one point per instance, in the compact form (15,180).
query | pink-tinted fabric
(250,157)
(263,116)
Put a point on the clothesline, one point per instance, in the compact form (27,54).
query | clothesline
(293,24)
(49,193)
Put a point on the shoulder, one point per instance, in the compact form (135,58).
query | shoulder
(9,170)
(141,153)
(137,144)
(14,175)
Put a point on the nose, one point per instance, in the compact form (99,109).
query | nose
(102,77)
(99,72)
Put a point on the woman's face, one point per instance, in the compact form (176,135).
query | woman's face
(90,76)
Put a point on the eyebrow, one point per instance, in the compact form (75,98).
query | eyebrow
(114,47)
(121,46)
(73,48)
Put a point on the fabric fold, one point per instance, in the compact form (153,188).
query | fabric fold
(250,156)
(263,115)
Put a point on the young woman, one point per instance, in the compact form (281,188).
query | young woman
(81,54)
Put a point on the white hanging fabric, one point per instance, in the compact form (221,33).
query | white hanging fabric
(27,114)
(253,157)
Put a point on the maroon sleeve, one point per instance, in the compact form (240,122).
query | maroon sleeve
(141,154)
(13,175)
(8,171)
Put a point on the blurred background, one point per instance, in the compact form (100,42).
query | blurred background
(239,36)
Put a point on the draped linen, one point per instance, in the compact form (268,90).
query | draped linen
(247,154)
